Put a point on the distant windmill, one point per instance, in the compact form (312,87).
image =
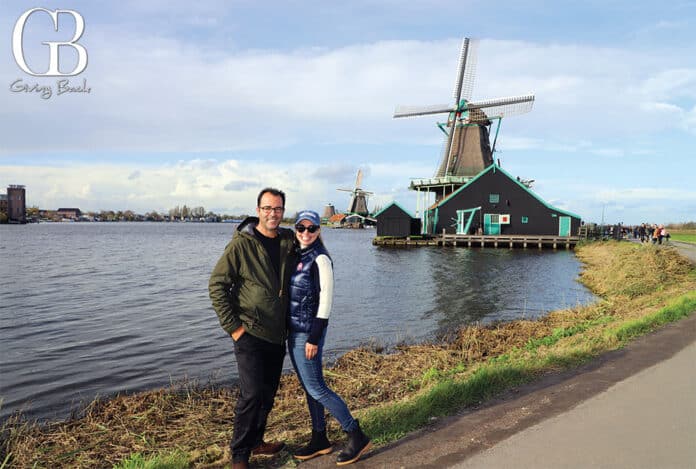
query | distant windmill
(466,149)
(358,201)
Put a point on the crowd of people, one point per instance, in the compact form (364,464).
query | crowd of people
(645,232)
(648,233)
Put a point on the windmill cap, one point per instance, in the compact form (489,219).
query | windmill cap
(309,215)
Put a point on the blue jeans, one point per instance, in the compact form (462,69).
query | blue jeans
(319,396)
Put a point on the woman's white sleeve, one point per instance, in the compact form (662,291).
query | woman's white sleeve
(326,285)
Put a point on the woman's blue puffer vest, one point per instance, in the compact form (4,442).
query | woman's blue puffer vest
(304,289)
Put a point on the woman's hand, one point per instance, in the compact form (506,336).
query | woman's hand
(310,350)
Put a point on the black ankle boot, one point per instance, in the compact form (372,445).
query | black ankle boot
(318,445)
(358,444)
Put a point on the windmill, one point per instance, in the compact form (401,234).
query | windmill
(466,148)
(358,200)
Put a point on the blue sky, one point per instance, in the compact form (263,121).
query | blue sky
(206,103)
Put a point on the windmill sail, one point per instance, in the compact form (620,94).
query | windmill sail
(501,107)
(358,200)
(412,111)
(466,147)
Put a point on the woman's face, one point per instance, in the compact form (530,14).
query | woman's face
(302,232)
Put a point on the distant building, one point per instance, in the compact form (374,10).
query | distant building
(337,220)
(394,220)
(3,203)
(16,204)
(71,213)
(48,215)
(329,211)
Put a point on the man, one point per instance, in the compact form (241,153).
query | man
(249,291)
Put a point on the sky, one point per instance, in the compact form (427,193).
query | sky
(205,103)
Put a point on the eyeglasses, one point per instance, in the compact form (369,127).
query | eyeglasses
(267,209)
(311,228)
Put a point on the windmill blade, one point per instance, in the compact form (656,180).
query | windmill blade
(442,165)
(358,179)
(465,79)
(346,190)
(470,70)
(457,95)
(412,111)
(466,71)
(500,107)
(487,103)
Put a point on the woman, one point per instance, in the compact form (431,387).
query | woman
(311,296)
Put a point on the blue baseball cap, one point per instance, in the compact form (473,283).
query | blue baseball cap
(309,215)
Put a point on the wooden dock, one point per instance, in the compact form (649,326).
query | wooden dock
(507,242)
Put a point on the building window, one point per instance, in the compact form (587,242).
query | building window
(495,218)
(525,219)
(494,198)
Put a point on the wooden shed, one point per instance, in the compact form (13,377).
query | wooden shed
(393,220)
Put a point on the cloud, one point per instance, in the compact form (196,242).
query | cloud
(609,152)
(234,101)
(99,186)
(237,186)
(207,119)
(644,193)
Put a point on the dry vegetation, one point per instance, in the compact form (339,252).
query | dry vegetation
(633,281)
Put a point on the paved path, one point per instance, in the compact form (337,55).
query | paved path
(630,408)
(687,250)
(646,421)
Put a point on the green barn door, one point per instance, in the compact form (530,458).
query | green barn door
(563,226)
(491,225)
(464,219)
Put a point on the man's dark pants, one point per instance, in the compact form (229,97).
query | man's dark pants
(259,364)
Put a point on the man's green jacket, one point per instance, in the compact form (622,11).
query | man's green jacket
(246,290)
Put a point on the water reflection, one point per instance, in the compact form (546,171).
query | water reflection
(484,285)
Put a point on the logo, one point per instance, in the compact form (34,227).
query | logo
(62,86)
(53,46)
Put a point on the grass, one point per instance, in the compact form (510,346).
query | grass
(393,392)
(683,234)
(683,237)
(177,460)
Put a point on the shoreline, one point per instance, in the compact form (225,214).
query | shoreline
(383,388)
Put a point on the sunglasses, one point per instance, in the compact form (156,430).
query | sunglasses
(311,228)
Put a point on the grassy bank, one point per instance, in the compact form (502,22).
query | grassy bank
(684,232)
(641,287)
(685,236)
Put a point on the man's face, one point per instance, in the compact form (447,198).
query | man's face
(270,213)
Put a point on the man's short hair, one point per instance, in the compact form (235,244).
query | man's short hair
(272,191)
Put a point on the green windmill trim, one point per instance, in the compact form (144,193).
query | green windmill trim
(392,203)
(460,216)
(443,125)
(494,168)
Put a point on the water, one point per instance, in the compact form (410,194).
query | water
(93,309)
